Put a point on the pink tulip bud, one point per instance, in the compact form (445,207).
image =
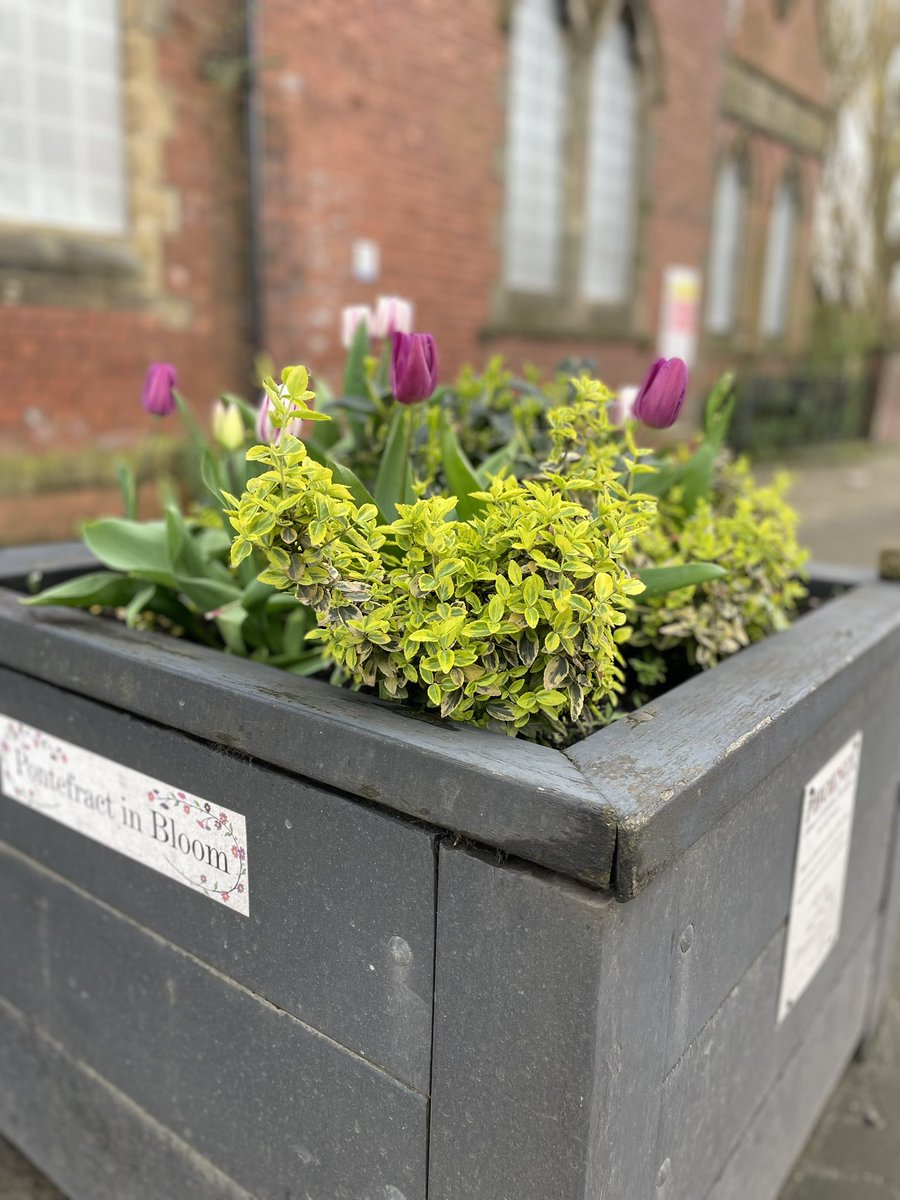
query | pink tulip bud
(661,395)
(622,406)
(414,367)
(352,317)
(392,315)
(158,397)
(266,431)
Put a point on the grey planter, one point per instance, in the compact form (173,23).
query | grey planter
(471,968)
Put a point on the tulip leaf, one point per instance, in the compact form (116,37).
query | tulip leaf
(208,594)
(661,481)
(355,379)
(183,554)
(106,589)
(462,479)
(504,457)
(658,580)
(132,546)
(229,624)
(393,485)
(342,474)
(138,604)
(128,487)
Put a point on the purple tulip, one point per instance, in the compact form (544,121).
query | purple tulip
(158,396)
(414,367)
(661,396)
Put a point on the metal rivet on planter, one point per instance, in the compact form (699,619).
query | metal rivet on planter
(400,950)
(687,939)
(663,1173)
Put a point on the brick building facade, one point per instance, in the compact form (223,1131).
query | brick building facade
(470,147)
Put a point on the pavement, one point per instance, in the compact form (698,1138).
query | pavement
(848,498)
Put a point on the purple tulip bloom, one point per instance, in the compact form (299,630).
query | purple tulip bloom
(158,396)
(661,396)
(414,367)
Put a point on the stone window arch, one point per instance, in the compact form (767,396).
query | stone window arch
(581,77)
(724,277)
(781,256)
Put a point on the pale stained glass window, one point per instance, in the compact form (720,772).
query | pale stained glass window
(611,195)
(725,258)
(61,135)
(778,273)
(534,149)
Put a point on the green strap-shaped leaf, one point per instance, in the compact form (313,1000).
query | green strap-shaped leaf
(105,588)
(462,478)
(128,487)
(132,546)
(658,580)
(355,381)
(342,474)
(393,485)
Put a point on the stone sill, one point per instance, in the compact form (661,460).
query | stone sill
(61,253)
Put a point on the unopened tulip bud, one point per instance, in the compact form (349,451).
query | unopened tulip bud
(414,367)
(661,397)
(158,394)
(352,317)
(392,315)
(227,425)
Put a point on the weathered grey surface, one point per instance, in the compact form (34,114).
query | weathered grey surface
(712,1093)
(673,771)
(88,1135)
(733,887)
(789,1109)
(854,1153)
(279,1108)
(547,1016)
(888,929)
(333,883)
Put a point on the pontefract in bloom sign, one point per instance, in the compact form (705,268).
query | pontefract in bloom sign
(200,844)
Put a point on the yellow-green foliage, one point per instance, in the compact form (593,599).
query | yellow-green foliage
(751,532)
(512,618)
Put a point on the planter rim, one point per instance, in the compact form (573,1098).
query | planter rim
(610,811)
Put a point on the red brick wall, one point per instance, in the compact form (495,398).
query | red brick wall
(72,374)
(387,122)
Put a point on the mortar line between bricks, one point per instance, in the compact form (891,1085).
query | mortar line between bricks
(6,848)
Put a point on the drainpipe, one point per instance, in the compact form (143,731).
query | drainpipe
(254,150)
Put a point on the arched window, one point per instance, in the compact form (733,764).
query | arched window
(612,159)
(778,273)
(723,284)
(535,170)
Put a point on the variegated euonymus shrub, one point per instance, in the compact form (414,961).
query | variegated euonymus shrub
(507,610)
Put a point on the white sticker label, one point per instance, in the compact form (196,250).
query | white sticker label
(817,899)
(199,844)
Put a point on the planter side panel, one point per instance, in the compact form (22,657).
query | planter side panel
(549,1039)
(335,887)
(762,1161)
(88,1137)
(270,1102)
(732,888)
